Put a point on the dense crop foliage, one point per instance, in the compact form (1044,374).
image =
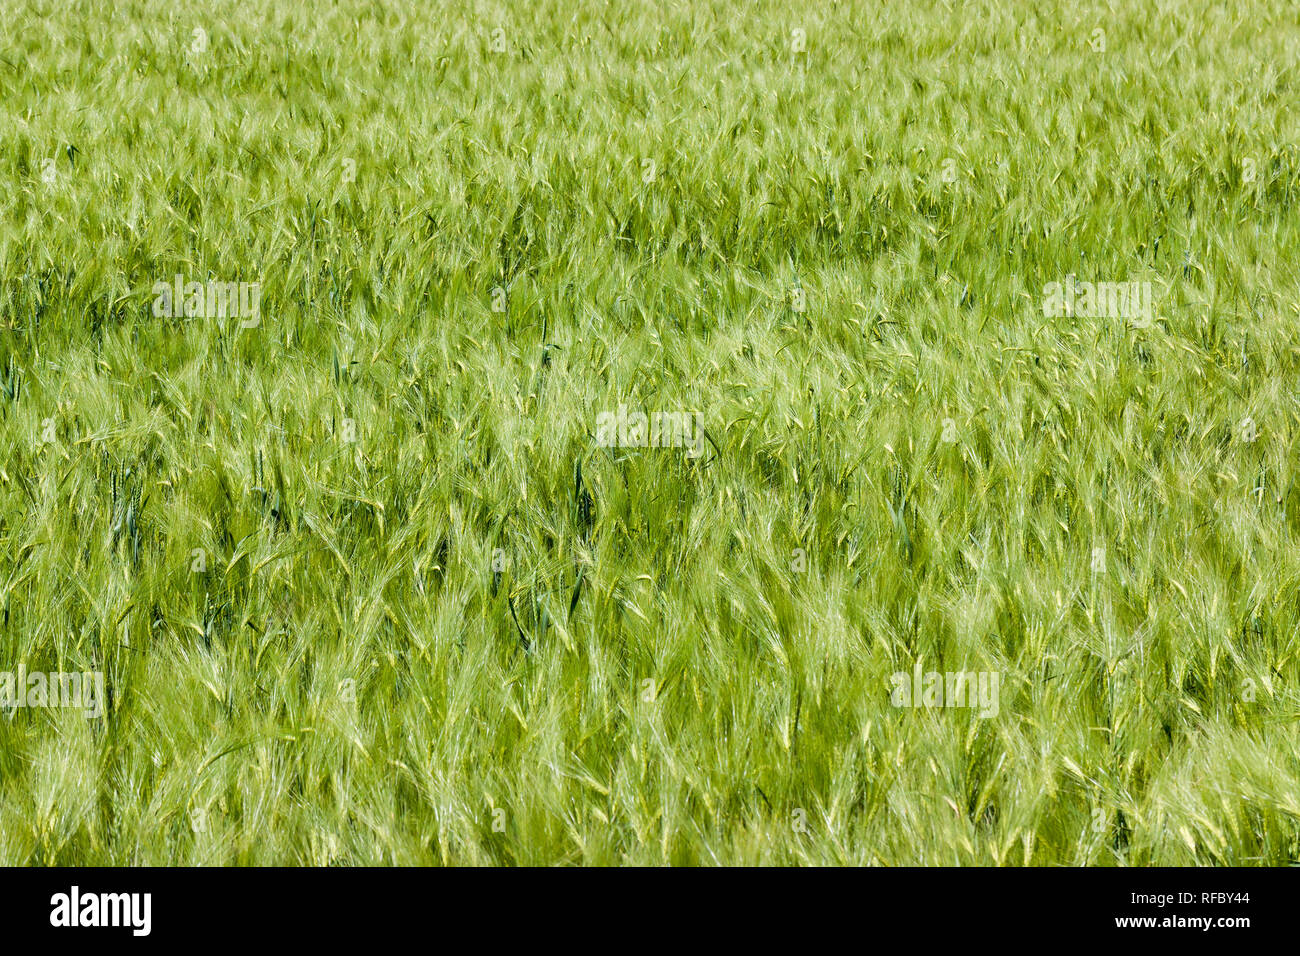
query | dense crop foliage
(365,586)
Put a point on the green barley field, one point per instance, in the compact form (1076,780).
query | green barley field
(650,433)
